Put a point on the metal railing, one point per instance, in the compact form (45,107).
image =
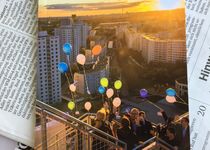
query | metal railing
(77,134)
(155,143)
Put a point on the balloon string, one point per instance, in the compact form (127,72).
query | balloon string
(70,68)
(155,105)
(72,95)
(110,104)
(96,62)
(74,101)
(181,99)
(118,93)
(69,85)
(67,79)
(86,80)
(182,103)
(103,97)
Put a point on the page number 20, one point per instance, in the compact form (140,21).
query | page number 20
(201,110)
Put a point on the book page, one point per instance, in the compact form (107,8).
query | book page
(198,37)
(18,45)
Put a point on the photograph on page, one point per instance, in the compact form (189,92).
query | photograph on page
(112,74)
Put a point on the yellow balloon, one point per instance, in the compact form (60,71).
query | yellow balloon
(71,105)
(118,84)
(104,82)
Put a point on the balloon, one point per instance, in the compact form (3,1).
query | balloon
(101,89)
(159,114)
(116,102)
(104,82)
(88,106)
(118,84)
(62,67)
(72,87)
(170,99)
(71,105)
(77,113)
(143,93)
(96,50)
(67,48)
(170,92)
(81,59)
(110,93)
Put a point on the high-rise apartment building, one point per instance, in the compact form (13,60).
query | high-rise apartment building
(157,50)
(154,48)
(74,32)
(48,76)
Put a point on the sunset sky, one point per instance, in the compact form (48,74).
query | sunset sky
(50,8)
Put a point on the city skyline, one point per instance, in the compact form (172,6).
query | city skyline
(55,8)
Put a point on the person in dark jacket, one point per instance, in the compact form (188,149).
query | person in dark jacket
(144,130)
(126,135)
(185,141)
(171,137)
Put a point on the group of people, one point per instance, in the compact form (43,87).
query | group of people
(134,128)
(175,133)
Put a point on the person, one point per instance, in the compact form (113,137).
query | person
(105,109)
(101,125)
(125,134)
(171,122)
(170,137)
(185,142)
(144,130)
(133,118)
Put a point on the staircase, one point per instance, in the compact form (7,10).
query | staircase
(61,131)
(74,134)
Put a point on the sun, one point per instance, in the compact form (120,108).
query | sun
(169,4)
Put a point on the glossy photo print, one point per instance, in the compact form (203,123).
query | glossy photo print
(112,75)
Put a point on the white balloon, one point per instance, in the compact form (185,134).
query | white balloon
(170,99)
(72,87)
(116,102)
(110,93)
(88,106)
(81,59)
(77,113)
(159,114)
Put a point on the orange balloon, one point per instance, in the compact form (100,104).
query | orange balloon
(96,50)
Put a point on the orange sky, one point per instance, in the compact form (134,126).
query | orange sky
(145,6)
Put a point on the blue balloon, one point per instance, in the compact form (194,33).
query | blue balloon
(101,90)
(67,48)
(63,67)
(171,92)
